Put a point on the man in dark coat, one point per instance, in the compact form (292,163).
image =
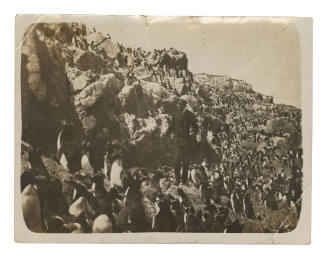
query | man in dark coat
(184,126)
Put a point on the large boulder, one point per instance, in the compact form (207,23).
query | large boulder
(170,104)
(83,80)
(97,105)
(85,60)
(173,59)
(156,91)
(148,147)
(135,100)
(46,91)
(179,85)
(107,85)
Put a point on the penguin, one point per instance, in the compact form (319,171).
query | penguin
(105,164)
(31,209)
(247,207)
(85,161)
(293,209)
(81,189)
(280,196)
(235,227)
(205,193)
(236,203)
(68,155)
(56,224)
(190,220)
(29,177)
(133,203)
(74,227)
(164,220)
(205,168)
(178,213)
(198,176)
(102,224)
(30,201)
(34,161)
(59,145)
(206,222)
(78,207)
(183,198)
(198,221)
(116,173)
(284,204)
(60,153)
(63,161)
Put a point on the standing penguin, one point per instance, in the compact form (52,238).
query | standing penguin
(190,220)
(116,172)
(30,202)
(236,202)
(164,221)
(68,152)
(105,169)
(247,206)
(235,227)
(134,205)
(205,193)
(198,176)
(284,203)
(85,161)
(294,211)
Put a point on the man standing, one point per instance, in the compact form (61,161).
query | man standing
(184,126)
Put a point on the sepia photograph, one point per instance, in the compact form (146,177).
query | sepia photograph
(145,124)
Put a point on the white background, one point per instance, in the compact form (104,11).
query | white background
(315,9)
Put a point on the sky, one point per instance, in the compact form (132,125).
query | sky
(264,53)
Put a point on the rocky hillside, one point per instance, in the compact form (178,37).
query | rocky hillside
(112,94)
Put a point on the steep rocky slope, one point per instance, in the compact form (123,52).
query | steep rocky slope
(110,93)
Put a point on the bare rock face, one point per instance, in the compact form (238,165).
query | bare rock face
(135,100)
(97,105)
(179,85)
(147,145)
(174,59)
(86,60)
(83,80)
(156,92)
(46,92)
(103,43)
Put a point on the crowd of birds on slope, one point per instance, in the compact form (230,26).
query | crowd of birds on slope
(111,197)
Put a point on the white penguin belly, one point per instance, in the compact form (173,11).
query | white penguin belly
(64,162)
(31,209)
(115,173)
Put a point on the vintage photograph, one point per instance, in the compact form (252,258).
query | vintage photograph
(162,124)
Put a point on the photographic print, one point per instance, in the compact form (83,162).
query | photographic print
(163,129)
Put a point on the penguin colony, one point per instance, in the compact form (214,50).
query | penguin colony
(117,200)
(247,190)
